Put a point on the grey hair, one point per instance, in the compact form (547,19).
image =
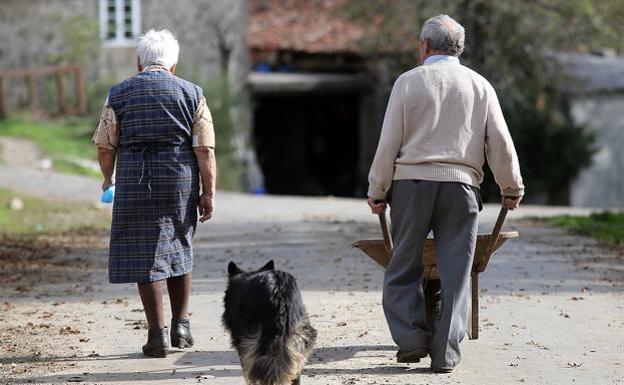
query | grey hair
(158,47)
(444,34)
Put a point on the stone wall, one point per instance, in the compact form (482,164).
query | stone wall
(602,184)
(32,30)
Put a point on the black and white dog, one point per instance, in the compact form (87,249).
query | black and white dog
(268,325)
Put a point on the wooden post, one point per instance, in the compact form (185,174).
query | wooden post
(2,109)
(32,92)
(62,99)
(81,102)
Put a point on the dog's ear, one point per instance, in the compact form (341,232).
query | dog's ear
(233,269)
(269,266)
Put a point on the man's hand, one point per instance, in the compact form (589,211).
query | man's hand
(206,207)
(106,183)
(511,203)
(377,206)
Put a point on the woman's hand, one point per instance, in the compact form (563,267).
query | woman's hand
(106,183)
(106,158)
(205,206)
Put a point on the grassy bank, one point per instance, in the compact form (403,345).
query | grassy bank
(61,140)
(40,216)
(606,227)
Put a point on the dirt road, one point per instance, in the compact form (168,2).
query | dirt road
(552,306)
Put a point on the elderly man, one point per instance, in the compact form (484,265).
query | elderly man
(441,120)
(159,131)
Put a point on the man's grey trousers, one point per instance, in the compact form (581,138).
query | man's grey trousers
(450,210)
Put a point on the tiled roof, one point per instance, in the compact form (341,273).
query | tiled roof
(302,25)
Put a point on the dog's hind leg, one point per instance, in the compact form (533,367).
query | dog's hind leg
(296,381)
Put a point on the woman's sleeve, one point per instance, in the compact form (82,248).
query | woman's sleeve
(107,132)
(203,130)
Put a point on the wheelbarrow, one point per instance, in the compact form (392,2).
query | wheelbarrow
(380,251)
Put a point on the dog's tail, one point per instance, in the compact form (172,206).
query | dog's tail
(284,360)
(286,340)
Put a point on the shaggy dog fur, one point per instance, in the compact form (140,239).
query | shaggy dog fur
(268,325)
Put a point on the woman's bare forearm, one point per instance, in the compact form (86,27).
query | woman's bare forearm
(106,158)
(207,169)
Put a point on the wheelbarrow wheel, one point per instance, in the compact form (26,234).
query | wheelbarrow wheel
(433,301)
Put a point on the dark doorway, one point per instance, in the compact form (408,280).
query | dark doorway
(308,144)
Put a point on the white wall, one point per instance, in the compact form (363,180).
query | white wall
(602,184)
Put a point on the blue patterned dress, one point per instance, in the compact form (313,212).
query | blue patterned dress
(157,179)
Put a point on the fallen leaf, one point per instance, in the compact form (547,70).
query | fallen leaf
(68,330)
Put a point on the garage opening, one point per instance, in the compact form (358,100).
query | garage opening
(306,133)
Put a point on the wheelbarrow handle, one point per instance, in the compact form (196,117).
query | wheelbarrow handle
(497,227)
(493,240)
(385,231)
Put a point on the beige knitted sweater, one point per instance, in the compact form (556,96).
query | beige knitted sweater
(442,120)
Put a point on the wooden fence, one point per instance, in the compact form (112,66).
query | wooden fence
(59,72)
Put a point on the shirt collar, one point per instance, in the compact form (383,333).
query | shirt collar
(441,58)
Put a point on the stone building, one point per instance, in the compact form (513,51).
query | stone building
(212,33)
(212,36)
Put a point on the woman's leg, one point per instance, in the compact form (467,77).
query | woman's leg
(151,297)
(179,289)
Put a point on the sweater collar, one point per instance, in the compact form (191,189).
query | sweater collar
(441,58)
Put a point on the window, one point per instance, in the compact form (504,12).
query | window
(120,21)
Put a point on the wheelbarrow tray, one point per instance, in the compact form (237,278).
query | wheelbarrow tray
(376,249)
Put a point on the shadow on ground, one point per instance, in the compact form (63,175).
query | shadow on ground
(217,364)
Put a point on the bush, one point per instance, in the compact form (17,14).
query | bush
(552,149)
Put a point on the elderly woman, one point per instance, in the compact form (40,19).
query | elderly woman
(159,131)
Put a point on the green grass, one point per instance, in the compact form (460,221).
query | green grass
(70,137)
(68,167)
(51,217)
(606,227)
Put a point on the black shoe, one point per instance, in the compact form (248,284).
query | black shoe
(441,370)
(181,333)
(157,345)
(412,356)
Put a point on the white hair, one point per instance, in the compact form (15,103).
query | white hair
(158,47)
(444,34)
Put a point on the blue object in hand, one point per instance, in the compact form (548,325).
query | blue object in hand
(108,195)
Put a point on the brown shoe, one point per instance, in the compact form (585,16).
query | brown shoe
(410,357)
(441,370)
